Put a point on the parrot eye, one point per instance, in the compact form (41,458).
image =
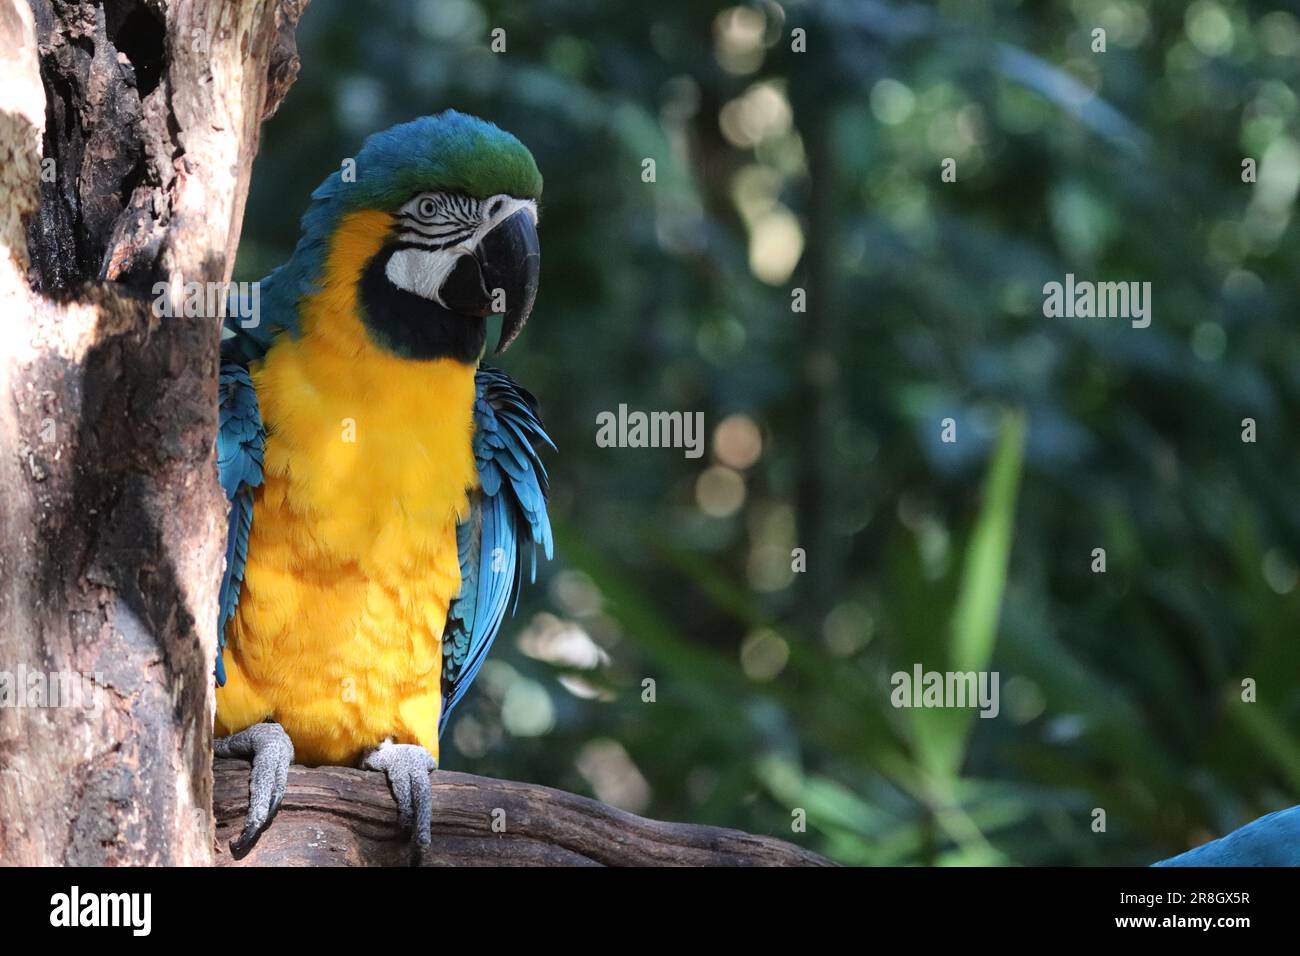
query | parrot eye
(427,208)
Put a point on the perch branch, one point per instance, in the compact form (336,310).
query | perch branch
(337,816)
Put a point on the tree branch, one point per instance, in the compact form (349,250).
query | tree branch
(337,816)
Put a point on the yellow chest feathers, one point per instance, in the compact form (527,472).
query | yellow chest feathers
(373,454)
(352,558)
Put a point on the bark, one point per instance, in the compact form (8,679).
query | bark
(146,114)
(336,816)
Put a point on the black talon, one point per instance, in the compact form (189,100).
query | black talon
(407,767)
(271,752)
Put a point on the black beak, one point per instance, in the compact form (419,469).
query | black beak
(511,261)
(501,276)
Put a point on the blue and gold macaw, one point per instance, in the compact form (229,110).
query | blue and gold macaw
(1272,840)
(386,495)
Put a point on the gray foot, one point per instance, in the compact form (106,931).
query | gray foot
(407,767)
(271,751)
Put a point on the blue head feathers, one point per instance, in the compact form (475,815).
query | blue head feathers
(449,152)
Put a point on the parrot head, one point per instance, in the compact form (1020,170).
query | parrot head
(445,207)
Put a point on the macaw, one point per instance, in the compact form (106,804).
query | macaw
(1272,840)
(385,488)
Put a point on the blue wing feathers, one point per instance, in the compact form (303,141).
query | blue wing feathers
(506,525)
(241,443)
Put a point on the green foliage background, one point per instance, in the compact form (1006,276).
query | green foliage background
(1120,691)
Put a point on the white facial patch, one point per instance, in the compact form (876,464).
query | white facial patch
(421,271)
(444,227)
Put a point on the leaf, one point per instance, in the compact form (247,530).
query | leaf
(941,733)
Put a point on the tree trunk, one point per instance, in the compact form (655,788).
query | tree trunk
(127,134)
